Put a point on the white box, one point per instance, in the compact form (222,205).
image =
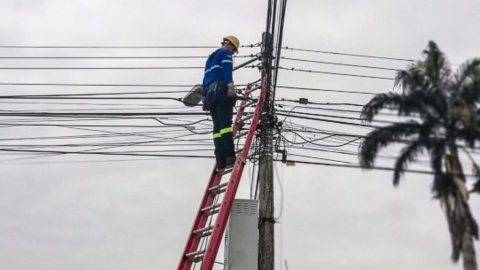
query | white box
(241,236)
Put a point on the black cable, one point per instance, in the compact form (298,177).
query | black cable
(118,57)
(323,103)
(278,52)
(312,141)
(101,153)
(328,120)
(338,64)
(91,125)
(117,47)
(103,85)
(337,116)
(359,167)
(95,94)
(337,110)
(328,90)
(75,97)
(41,114)
(107,47)
(98,85)
(98,68)
(336,73)
(349,54)
(319,158)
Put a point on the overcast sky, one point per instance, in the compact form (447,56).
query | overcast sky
(67,212)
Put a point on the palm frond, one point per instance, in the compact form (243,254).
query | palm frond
(415,102)
(381,137)
(379,102)
(476,172)
(408,154)
(467,81)
(418,92)
(437,68)
(469,132)
(412,78)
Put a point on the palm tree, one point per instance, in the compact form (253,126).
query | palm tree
(444,118)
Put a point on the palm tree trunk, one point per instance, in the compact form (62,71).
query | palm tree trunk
(454,167)
(469,259)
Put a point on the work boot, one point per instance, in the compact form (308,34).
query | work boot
(220,165)
(230,162)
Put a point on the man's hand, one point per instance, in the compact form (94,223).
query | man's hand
(231,91)
(204,104)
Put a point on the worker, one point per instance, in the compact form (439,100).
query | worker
(219,97)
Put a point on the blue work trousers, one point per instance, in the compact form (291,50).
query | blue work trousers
(221,111)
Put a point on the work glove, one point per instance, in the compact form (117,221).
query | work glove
(204,104)
(231,91)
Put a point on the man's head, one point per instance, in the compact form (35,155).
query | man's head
(231,43)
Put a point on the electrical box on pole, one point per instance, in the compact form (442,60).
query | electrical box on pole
(241,236)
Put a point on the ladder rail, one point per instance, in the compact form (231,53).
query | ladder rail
(226,206)
(207,200)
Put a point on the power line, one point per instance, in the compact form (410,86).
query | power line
(118,47)
(336,73)
(349,54)
(98,68)
(102,85)
(97,85)
(323,103)
(338,64)
(107,47)
(327,120)
(336,116)
(359,167)
(87,125)
(122,68)
(76,97)
(42,114)
(328,90)
(100,153)
(119,57)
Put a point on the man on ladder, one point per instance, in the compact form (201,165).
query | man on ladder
(219,97)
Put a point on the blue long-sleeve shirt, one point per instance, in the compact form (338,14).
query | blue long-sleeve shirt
(219,67)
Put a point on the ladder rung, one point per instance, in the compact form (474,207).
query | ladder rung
(227,171)
(196,253)
(249,103)
(218,187)
(222,190)
(196,259)
(246,118)
(253,89)
(203,230)
(205,234)
(211,207)
(212,212)
(240,135)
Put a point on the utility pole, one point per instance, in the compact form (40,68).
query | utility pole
(266,225)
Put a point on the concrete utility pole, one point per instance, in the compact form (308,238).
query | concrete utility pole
(273,34)
(265,175)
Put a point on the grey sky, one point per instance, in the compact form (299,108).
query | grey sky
(137,214)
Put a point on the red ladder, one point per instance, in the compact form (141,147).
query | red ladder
(209,206)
